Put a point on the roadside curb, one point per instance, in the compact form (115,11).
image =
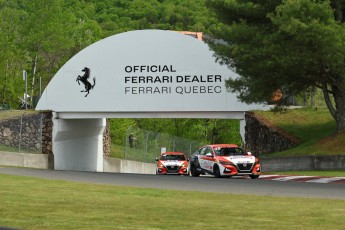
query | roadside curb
(310,179)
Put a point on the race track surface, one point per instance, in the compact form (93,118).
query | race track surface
(237,185)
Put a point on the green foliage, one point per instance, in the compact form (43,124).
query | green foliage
(40,36)
(292,45)
(201,130)
(118,129)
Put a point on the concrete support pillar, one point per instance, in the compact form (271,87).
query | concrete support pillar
(78,144)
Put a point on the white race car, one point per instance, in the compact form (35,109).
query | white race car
(224,160)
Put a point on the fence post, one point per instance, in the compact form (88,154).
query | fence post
(157,148)
(20,132)
(125,150)
(147,144)
(41,133)
(174,142)
(190,148)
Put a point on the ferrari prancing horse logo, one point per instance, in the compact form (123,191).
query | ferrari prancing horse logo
(85,80)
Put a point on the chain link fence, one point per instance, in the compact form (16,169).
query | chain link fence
(146,146)
(21,131)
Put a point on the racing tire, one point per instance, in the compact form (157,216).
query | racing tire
(216,171)
(193,171)
(254,176)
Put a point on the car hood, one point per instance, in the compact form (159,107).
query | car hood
(172,163)
(238,159)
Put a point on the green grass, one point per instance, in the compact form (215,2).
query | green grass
(32,203)
(315,130)
(137,154)
(6,148)
(7,114)
(117,151)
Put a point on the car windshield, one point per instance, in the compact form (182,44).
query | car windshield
(235,151)
(166,157)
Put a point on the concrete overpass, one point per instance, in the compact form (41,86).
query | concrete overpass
(137,74)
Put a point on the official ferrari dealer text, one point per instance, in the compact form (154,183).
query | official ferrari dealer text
(169,82)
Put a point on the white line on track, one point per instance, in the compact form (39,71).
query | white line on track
(326,180)
(286,178)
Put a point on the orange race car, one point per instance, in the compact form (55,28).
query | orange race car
(172,163)
(224,160)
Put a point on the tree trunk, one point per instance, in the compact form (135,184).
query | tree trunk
(312,97)
(339,89)
(339,98)
(338,110)
(340,118)
(3,99)
(33,80)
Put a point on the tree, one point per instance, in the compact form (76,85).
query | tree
(12,58)
(292,45)
(45,30)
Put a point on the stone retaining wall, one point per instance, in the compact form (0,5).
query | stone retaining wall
(31,133)
(106,140)
(263,137)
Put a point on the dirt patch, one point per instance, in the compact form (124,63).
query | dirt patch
(334,141)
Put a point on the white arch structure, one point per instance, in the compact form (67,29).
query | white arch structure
(137,74)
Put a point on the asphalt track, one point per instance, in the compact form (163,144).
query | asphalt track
(233,185)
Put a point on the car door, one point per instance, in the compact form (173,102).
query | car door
(206,162)
(201,153)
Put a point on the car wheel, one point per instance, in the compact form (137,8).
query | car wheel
(193,171)
(254,176)
(216,171)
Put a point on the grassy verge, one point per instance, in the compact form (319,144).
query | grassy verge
(315,130)
(6,148)
(32,203)
(117,151)
(120,152)
(7,114)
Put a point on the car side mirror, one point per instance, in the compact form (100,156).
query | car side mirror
(156,159)
(249,153)
(209,155)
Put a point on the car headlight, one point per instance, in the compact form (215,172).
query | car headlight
(160,165)
(225,162)
(185,165)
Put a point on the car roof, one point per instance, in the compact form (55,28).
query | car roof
(173,153)
(223,145)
